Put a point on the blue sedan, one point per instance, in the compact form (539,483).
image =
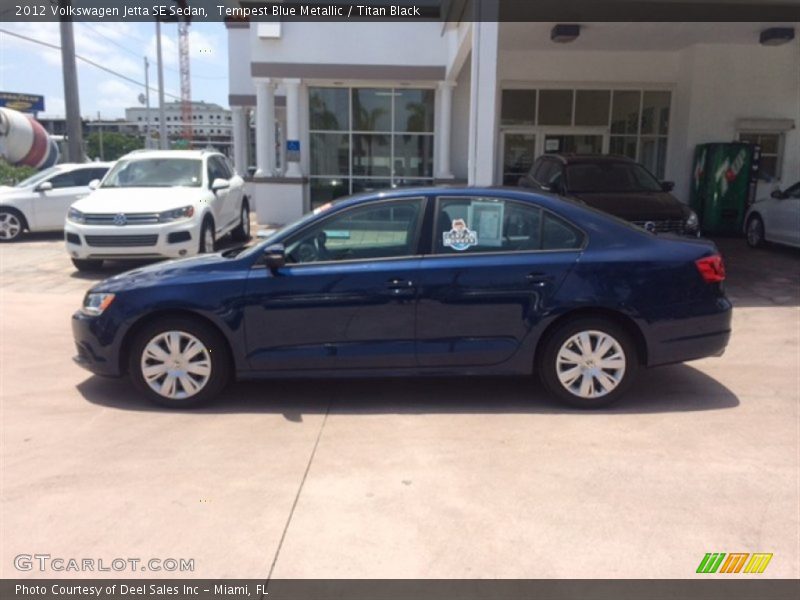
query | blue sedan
(438,281)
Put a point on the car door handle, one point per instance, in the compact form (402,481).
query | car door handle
(538,279)
(400,287)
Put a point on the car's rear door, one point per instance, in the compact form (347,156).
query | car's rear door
(51,206)
(494,267)
(347,296)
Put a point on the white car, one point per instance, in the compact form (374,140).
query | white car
(776,219)
(40,203)
(158,204)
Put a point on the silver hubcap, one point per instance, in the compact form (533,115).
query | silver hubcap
(754,232)
(590,364)
(9,226)
(245,220)
(176,365)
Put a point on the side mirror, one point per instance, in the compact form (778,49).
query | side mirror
(667,186)
(220,184)
(275,257)
(94,184)
(45,186)
(778,195)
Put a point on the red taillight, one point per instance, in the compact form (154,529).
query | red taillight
(711,268)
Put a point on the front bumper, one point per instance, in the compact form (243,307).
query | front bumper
(165,240)
(95,351)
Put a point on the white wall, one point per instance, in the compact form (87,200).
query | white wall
(239,80)
(459,135)
(365,43)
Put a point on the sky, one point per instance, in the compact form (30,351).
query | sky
(30,68)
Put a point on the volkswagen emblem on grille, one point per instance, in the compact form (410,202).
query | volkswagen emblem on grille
(120,219)
(649,226)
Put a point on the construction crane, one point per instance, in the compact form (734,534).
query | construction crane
(185,69)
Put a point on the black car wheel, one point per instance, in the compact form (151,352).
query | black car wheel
(179,362)
(755,232)
(207,240)
(242,232)
(588,362)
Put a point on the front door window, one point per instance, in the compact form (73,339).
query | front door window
(519,151)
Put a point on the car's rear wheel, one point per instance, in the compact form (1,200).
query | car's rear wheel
(588,362)
(207,240)
(242,232)
(11,226)
(179,362)
(87,265)
(755,232)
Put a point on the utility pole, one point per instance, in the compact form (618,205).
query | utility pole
(147,138)
(71,99)
(163,142)
(100,135)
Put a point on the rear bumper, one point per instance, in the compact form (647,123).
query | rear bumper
(92,354)
(691,337)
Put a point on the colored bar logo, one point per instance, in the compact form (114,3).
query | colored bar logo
(714,562)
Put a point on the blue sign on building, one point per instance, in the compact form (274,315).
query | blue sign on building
(22,102)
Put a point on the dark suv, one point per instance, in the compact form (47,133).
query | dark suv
(616,185)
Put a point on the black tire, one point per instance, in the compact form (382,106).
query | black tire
(12,225)
(548,363)
(242,232)
(207,228)
(87,265)
(213,342)
(754,233)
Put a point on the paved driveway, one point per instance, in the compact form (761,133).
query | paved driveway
(402,478)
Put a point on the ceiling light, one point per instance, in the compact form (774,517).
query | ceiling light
(563,34)
(775,36)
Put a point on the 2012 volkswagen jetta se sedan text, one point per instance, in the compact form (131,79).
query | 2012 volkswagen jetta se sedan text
(440,281)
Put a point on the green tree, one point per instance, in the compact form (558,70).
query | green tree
(114,145)
(10,175)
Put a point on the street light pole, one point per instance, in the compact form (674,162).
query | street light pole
(147,139)
(162,125)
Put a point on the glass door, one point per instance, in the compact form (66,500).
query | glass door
(519,151)
(576,143)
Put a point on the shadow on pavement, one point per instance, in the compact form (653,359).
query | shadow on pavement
(677,388)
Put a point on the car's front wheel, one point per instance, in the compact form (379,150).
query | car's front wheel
(207,239)
(588,362)
(755,232)
(242,232)
(11,226)
(179,362)
(87,265)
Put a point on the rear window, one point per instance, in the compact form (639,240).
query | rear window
(610,177)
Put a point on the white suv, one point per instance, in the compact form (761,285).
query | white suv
(158,204)
(40,202)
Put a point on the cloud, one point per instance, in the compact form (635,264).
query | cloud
(116,96)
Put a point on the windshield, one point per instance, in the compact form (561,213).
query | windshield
(156,172)
(610,177)
(37,177)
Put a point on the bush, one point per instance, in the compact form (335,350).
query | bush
(10,175)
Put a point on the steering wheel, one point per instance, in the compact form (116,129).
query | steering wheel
(306,252)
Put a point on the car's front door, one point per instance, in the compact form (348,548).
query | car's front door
(786,217)
(51,206)
(346,297)
(495,266)
(220,206)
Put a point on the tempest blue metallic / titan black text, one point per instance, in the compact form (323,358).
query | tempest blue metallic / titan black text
(437,281)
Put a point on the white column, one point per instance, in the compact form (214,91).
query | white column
(445,123)
(265,128)
(292,125)
(483,103)
(239,137)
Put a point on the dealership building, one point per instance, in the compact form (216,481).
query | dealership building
(346,107)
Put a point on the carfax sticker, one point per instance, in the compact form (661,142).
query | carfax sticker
(460,237)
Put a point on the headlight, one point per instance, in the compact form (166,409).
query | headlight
(692,222)
(76,216)
(94,303)
(178,213)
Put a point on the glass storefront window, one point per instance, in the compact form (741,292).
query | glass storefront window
(623,145)
(518,107)
(625,112)
(555,107)
(369,138)
(413,110)
(591,107)
(653,154)
(655,113)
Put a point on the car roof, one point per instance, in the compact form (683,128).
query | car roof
(142,153)
(86,165)
(571,158)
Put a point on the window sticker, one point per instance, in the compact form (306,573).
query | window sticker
(323,208)
(460,237)
(487,218)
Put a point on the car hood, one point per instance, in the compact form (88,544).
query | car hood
(639,206)
(137,200)
(181,270)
